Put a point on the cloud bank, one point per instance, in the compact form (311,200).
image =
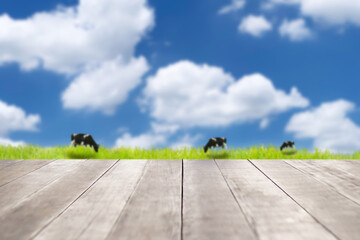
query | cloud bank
(82,41)
(328,126)
(185,95)
(6,142)
(13,118)
(146,140)
(106,87)
(70,40)
(193,95)
(158,135)
(331,12)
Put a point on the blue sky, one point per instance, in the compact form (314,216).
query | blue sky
(173,73)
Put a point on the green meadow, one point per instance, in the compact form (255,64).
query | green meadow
(80,152)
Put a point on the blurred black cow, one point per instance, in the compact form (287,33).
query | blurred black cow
(287,144)
(215,142)
(83,139)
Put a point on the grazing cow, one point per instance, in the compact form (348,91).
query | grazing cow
(215,142)
(83,139)
(287,144)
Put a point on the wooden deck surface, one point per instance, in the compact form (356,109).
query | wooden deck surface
(179,199)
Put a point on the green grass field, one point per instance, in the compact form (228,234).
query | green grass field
(255,152)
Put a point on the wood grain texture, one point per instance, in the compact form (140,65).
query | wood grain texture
(29,215)
(175,199)
(22,188)
(326,171)
(352,161)
(210,211)
(94,213)
(18,168)
(350,168)
(7,162)
(273,214)
(335,212)
(154,210)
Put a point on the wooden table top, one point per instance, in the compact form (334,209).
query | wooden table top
(179,199)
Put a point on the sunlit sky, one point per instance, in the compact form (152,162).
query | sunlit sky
(162,73)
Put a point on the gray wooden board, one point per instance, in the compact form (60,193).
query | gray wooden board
(95,212)
(7,162)
(223,199)
(31,214)
(350,167)
(154,210)
(19,168)
(210,211)
(273,214)
(16,191)
(352,161)
(330,173)
(337,213)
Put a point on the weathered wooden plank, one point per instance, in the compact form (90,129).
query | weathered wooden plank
(7,162)
(16,169)
(352,161)
(16,191)
(337,213)
(327,172)
(94,213)
(272,214)
(210,211)
(349,167)
(30,215)
(154,210)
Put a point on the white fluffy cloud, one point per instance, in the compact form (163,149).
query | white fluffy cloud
(72,39)
(329,126)
(295,30)
(189,95)
(255,25)
(13,118)
(104,88)
(235,5)
(83,41)
(333,12)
